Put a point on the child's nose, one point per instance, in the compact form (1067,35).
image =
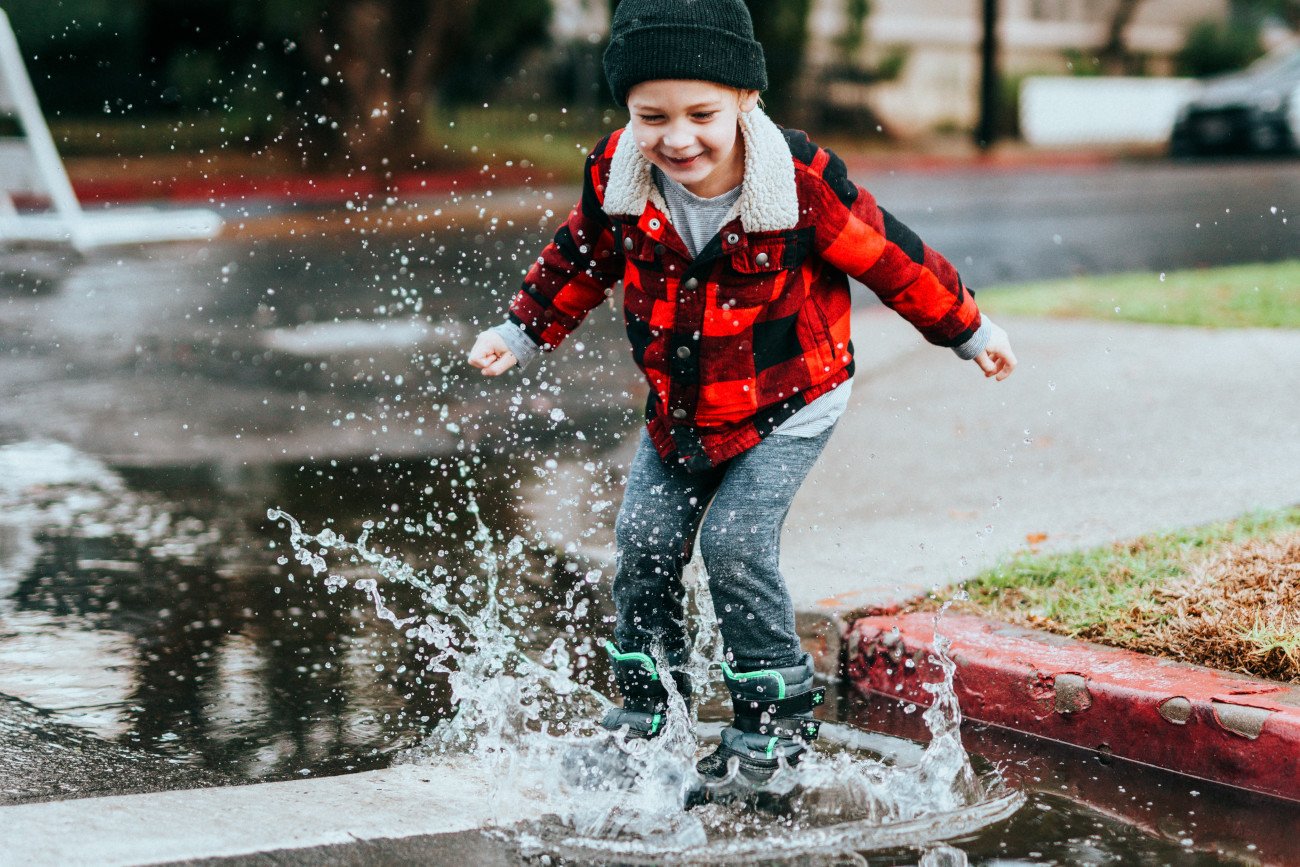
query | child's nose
(677,137)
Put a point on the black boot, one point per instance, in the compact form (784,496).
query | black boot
(607,765)
(773,722)
(645,699)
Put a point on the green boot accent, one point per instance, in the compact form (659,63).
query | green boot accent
(772,723)
(645,700)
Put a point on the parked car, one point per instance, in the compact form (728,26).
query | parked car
(1256,110)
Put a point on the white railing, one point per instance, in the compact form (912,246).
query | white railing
(30,167)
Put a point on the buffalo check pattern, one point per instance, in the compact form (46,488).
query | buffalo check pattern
(736,340)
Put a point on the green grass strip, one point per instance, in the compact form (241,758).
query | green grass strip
(1242,296)
(1105,593)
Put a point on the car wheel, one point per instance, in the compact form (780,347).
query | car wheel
(1183,146)
(1266,139)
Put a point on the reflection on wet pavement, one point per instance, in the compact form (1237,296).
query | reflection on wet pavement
(159,615)
(144,603)
(1086,810)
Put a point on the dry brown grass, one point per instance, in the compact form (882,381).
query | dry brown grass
(1238,610)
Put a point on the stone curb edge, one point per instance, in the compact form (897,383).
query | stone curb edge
(1214,725)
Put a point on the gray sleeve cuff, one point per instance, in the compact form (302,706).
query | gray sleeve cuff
(975,344)
(519,343)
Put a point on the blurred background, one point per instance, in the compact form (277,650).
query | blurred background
(416,84)
(384,172)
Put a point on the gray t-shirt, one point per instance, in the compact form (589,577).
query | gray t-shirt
(696,220)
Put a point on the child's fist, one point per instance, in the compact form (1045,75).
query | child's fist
(491,355)
(997,359)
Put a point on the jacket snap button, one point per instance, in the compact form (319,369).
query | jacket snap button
(683,352)
(654,225)
(659,249)
(691,284)
(627,244)
(733,238)
(760,260)
(679,413)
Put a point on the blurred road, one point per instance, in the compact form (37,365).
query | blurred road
(1014,226)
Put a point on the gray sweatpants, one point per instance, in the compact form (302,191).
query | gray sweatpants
(747,499)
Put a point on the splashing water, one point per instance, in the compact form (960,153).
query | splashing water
(528,727)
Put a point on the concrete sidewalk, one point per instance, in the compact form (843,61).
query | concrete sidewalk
(440,808)
(1106,431)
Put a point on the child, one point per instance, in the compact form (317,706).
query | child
(734,240)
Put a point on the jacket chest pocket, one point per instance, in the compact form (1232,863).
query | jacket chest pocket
(756,273)
(645,272)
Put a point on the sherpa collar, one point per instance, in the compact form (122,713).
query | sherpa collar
(769,199)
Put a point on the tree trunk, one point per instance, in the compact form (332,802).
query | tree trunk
(1113,57)
(380,60)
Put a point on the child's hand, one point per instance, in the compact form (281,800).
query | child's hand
(997,359)
(491,355)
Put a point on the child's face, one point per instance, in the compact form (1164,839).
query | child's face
(690,130)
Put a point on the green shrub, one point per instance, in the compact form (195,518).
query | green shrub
(1215,47)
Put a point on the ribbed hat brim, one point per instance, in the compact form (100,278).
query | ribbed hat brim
(685,52)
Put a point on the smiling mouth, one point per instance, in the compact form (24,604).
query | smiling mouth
(682,163)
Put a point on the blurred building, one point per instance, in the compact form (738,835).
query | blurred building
(934,44)
(580,21)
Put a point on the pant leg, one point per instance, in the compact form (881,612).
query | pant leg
(740,540)
(655,532)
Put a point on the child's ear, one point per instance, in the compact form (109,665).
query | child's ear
(748,99)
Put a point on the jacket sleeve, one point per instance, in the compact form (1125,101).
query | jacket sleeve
(576,270)
(869,244)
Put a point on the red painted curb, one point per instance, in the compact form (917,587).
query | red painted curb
(298,188)
(1231,729)
(208,187)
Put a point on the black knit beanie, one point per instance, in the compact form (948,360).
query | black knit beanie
(704,40)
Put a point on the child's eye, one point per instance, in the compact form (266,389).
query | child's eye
(651,118)
(704,115)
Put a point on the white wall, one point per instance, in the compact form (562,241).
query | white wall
(1064,111)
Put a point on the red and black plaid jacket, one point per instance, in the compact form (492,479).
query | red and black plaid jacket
(735,341)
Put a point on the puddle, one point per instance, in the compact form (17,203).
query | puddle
(157,617)
(526,722)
